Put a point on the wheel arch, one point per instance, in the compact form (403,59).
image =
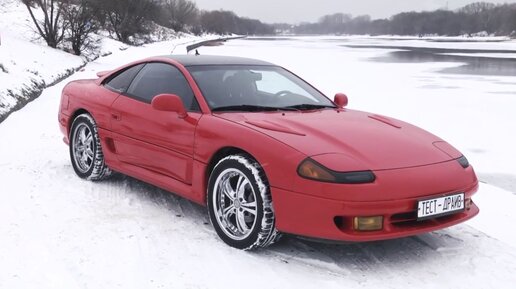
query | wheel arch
(97,169)
(73,116)
(264,228)
(219,155)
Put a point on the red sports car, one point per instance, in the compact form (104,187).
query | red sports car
(265,151)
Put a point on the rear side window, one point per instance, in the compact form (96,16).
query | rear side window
(158,78)
(120,82)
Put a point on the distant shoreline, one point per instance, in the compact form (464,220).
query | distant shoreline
(212,42)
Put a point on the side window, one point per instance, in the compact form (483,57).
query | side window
(158,78)
(121,81)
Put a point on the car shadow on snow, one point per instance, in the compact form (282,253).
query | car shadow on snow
(144,192)
(351,258)
(335,258)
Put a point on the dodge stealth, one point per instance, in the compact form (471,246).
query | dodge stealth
(264,151)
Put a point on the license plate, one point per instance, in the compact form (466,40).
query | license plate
(431,208)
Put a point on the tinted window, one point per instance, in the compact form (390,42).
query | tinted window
(121,81)
(159,78)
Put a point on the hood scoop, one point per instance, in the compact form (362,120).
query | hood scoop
(269,125)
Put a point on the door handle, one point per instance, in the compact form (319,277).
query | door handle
(116,116)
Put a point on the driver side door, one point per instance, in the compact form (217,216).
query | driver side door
(158,142)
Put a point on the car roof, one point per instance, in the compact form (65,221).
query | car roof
(195,60)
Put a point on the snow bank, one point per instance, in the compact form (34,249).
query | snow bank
(27,65)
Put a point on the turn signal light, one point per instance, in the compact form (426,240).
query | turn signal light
(312,170)
(368,223)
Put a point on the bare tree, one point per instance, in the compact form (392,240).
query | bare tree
(334,22)
(499,19)
(479,15)
(129,17)
(219,21)
(52,27)
(179,13)
(227,22)
(79,17)
(477,7)
(126,18)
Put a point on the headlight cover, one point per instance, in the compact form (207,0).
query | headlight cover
(312,170)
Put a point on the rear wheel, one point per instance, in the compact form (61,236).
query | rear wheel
(240,203)
(86,151)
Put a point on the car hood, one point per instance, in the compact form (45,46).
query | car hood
(348,140)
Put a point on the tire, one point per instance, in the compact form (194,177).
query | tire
(240,203)
(86,151)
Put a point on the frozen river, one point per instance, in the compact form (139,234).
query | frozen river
(463,92)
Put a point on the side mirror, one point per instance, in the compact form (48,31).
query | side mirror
(169,102)
(341,100)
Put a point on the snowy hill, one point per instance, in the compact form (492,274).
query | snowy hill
(27,65)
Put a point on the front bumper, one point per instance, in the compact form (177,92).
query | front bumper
(321,218)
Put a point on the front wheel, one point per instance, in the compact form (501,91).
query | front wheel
(240,203)
(86,151)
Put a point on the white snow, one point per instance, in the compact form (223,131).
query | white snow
(58,231)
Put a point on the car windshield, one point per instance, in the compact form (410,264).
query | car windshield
(256,88)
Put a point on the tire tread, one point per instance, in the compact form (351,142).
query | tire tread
(100,170)
(267,235)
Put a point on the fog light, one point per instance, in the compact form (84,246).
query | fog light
(368,223)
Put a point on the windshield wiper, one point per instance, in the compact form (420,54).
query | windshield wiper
(248,107)
(306,106)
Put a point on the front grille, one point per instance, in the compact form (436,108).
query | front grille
(404,217)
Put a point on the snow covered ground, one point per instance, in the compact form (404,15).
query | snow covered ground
(58,231)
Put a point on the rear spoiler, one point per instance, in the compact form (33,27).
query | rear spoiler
(102,73)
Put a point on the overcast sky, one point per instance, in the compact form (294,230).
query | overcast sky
(294,11)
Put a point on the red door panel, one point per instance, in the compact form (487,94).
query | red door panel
(158,141)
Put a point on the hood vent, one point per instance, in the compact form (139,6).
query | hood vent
(385,120)
(274,127)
